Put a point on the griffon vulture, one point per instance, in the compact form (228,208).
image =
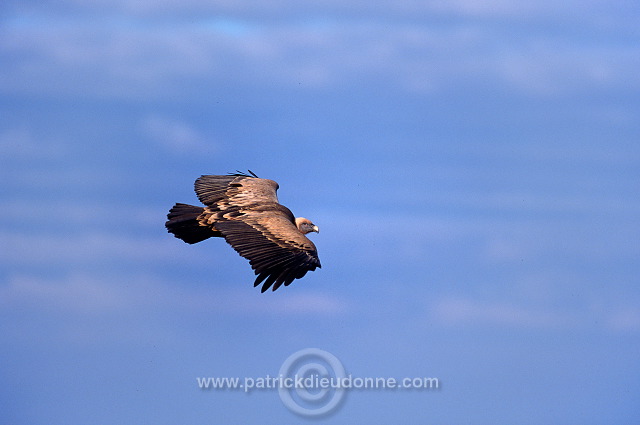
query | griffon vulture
(244,210)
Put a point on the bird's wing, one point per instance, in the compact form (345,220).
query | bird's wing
(236,190)
(274,246)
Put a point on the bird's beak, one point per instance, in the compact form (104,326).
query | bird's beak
(316,229)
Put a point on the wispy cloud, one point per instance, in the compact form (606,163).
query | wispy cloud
(270,9)
(625,320)
(19,143)
(468,312)
(153,59)
(82,309)
(87,294)
(88,249)
(80,214)
(176,135)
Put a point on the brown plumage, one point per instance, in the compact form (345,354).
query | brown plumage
(244,210)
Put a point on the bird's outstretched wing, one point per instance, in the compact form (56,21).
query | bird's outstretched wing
(245,210)
(235,190)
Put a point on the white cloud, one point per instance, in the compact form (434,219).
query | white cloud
(90,248)
(116,58)
(272,9)
(20,143)
(88,294)
(93,309)
(75,294)
(81,214)
(549,66)
(175,135)
(625,320)
(465,312)
(461,311)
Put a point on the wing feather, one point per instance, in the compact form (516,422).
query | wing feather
(235,190)
(277,253)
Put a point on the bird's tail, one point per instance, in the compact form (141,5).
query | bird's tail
(183,223)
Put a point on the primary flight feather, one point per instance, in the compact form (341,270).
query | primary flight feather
(244,210)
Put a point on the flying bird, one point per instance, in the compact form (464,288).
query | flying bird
(244,210)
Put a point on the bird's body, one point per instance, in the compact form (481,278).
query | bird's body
(244,210)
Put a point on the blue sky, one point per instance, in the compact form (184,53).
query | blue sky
(473,167)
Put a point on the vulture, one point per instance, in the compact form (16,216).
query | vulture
(244,210)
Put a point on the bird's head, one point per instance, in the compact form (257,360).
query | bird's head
(306,226)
